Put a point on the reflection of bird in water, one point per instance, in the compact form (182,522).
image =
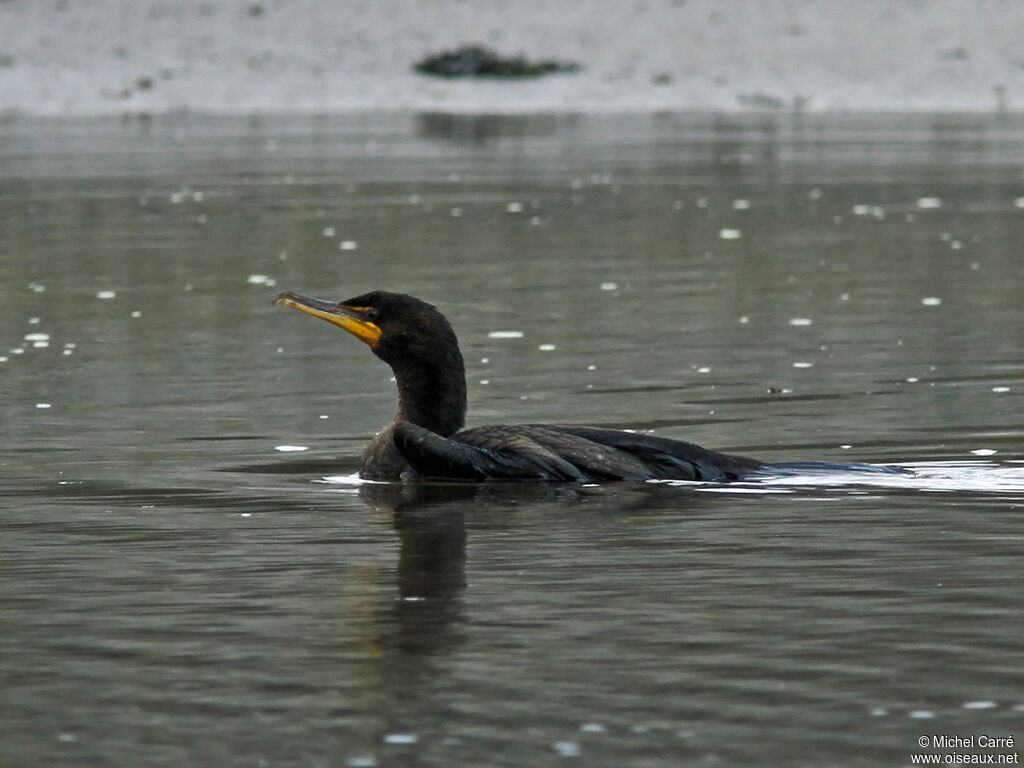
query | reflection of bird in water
(426,439)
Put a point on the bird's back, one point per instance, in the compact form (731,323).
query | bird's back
(550,452)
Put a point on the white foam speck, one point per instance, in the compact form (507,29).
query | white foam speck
(106,294)
(401,738)
(566,748)
(922,714)
(1000,389)
(929,202)
(1019,202)
(5,358)
(36,287)
(505,334)
(912,379)
(879,711)
(514,207)
(744,319)
(984,452)
(291,448)
(801,321)
(931,301)
(42,406)
(704,369)
(348,245)
(861,210)
(324,416)
(803,364)
(728,233)
(37,337)
(982,704)
(547,347)
(33,321)
(258,279)
(362,762)
(609,286)
(328,232)
(349,480)
(455,212)
(591,367)
(592,728)
(136,313)
(740,205)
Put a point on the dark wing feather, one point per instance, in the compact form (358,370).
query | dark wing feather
(667,459)
(591,460)
(544,452)
(493,454)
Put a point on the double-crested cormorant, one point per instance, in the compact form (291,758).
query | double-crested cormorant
(426,439)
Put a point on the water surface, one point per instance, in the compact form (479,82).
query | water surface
(177,591)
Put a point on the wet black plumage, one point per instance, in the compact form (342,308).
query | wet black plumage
(550,452)
(426,439)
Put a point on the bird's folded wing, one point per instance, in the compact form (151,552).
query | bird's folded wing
(668,459)
(480,455)
(544,452)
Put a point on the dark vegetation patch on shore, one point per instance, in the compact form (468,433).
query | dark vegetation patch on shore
(480,61)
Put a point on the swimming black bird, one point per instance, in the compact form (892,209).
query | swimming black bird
(426,439)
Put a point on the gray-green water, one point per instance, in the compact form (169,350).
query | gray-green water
(177,591)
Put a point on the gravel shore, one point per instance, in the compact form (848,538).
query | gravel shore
(69,57)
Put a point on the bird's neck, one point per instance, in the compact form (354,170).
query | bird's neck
(433,394)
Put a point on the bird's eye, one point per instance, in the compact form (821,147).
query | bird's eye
(371,314)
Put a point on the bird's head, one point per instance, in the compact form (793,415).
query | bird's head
(401,330)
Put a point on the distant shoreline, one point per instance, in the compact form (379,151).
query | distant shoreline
(72,57)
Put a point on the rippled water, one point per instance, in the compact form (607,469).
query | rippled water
(177,590)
